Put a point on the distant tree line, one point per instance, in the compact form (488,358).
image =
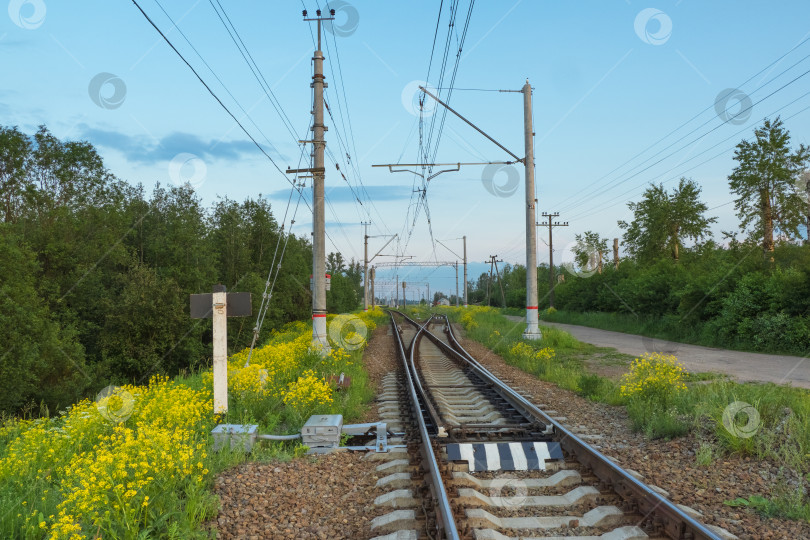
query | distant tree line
(95,274)
(752,294)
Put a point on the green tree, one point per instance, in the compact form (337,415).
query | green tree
(15,156)
(765,181)
(590,250)
(661,221)
(335,263)
(803,187)
(40,360)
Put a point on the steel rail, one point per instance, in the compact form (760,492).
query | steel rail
(675,523)
(445,511)
(481,372)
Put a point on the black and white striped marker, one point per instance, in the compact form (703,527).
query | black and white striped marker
(513,456)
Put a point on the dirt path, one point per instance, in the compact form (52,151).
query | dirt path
(742,366)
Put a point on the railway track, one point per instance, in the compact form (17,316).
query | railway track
(486,463)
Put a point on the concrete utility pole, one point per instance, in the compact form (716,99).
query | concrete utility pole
(373,299)
(319,338)
(456,283)
(616,253)
(465,270)
(365,225)
(551,281)
(366,261)
(532,330)
(396,291)
(455,264)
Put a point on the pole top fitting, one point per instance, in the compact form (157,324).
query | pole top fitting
(218,288)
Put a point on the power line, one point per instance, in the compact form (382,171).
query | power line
(221,104)
(254,68)
(775,62)
(216,76)
(682,172)
(616,184)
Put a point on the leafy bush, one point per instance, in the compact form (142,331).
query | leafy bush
(654,377)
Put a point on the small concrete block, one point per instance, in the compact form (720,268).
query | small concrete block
(394,521)
(395,466)
(401,498)
(396,480)
(722,533)
(635,474)
(580,495)
(591,437)
(622,533)
(603,516)
(391,455)
(661,491)
(689,511)
(559,479)
(399,535)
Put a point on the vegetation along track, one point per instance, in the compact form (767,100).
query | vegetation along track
(495,466)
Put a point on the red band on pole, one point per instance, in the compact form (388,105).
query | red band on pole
(531,307)
(318,315)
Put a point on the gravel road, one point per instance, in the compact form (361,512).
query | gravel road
(742,366)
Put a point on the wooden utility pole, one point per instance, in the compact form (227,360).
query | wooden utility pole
(551,224)
(493,263)
(616,253)
(498,274)
(489,279)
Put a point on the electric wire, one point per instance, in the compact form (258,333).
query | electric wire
(219,80)
(700,137)
(254,68)
(210,91)
(680,174)
(654,144)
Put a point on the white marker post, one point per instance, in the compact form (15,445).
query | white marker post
(220,315)
(218,306)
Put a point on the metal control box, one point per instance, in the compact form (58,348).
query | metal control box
(240,436)
(322,431)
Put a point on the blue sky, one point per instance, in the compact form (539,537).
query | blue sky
(610,78)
